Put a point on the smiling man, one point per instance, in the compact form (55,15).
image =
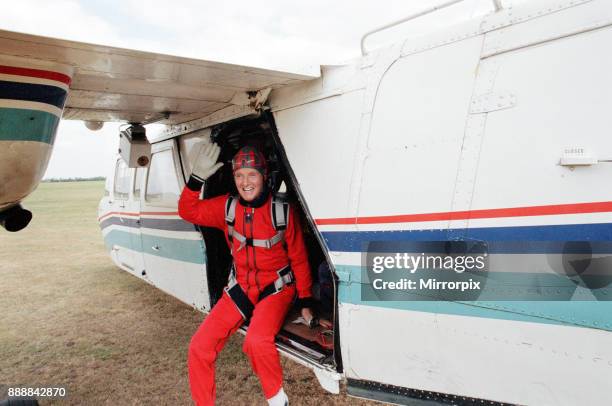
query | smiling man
(270,268)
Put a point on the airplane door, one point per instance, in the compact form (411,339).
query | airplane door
(123,235)
(407,182)
(173,249)
(136,235)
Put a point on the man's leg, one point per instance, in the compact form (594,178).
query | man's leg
(267,320)
(223,320)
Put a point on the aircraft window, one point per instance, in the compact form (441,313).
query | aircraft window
(138,182)
(122,180)
(162,185)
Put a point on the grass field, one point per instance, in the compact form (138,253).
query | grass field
(71,318)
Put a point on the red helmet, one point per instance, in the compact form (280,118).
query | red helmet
(249,157)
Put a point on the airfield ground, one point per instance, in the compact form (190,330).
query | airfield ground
(71,319)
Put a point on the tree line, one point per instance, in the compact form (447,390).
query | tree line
(74,179)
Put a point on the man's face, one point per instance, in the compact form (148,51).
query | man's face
(249,183)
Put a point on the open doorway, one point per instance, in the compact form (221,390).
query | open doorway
(317,345)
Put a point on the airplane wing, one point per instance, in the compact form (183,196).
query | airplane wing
(45,79)
(115,84)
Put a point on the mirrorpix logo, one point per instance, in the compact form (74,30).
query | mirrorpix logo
(424,270)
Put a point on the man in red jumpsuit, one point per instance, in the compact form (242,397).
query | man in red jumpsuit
(258,267)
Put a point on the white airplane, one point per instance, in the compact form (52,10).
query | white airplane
(493,131)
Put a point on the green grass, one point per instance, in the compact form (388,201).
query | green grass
(71,318)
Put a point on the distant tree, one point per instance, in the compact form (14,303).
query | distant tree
(95,178)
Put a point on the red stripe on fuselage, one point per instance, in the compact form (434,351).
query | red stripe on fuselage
(36,73)
(550,210)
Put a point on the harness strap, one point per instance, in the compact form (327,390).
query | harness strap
(230,215)
(251,242)
(242,301)
(285,277)
(279,213)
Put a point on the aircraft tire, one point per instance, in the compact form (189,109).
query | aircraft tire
(15,219)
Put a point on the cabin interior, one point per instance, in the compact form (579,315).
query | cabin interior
(316,344)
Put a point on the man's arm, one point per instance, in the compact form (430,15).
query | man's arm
(208,212)
(298,257)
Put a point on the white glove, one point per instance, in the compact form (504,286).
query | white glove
(205,164)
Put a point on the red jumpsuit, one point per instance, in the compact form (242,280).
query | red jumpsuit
(255,268)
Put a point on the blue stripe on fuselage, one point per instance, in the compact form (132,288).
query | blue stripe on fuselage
(53,95)
(522,239)
(179,249)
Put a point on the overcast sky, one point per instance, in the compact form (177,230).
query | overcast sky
(277,34)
